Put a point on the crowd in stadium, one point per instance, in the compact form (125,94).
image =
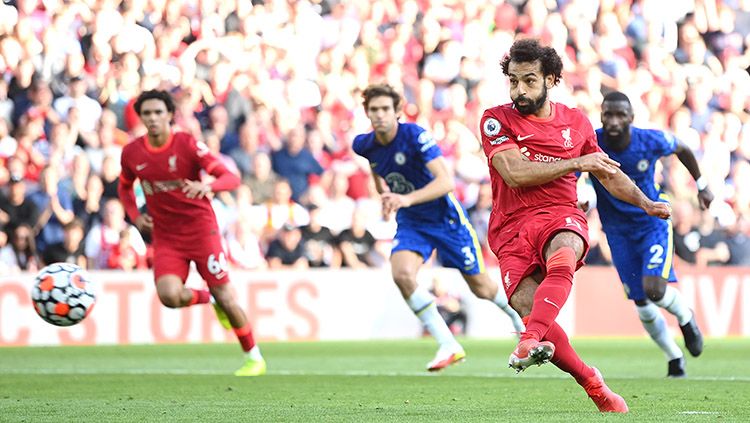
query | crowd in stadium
(274,87)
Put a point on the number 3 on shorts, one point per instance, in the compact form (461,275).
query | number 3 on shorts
(216,266)
(469,254)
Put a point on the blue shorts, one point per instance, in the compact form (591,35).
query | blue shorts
(647,251)
(456,243)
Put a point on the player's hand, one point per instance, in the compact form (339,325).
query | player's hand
(597,163)
(144,223)
(392,202)
(195,189)
(659,209)
(705,197)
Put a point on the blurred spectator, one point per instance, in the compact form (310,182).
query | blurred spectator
(6,104)
(30,141)
(281,209)
(5,262)
(89,109)
(15,207)
(243,245)
(319,242)
(124,256)
(8,144)
(88,208)
(294,162)
(70,250)
(357,244)
(55,208)
(20,253)
(336,212)
(244,154)
(738,242)
(219,124)
(698,241)
(104,238)
(262,178)
(110,176)
(287,250)
(34,102)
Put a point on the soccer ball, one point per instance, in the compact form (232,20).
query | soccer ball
(63,294)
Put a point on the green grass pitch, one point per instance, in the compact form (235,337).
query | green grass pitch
(362,382)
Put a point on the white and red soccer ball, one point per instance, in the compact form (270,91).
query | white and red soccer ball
(63,294)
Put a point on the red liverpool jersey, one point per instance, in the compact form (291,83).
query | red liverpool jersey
(565,134)
(162,171)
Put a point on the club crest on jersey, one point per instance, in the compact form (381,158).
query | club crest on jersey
(642,165)
(399,158)
(568,142)
(172,162)
(491,127)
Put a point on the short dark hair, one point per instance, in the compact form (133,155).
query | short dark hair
(154,95)
(529,50)
(381,90)
(616,96)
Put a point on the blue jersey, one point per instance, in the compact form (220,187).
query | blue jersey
(440,224)
(403,165)
(638,162)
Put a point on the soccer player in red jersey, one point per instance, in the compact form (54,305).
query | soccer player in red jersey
(180,218)
(534,147)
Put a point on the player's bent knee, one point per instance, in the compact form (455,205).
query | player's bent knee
(655,288)
(171,300)
(170,289)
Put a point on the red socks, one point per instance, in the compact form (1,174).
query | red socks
(552,293)
(566,358)
(200,296)
(245,336)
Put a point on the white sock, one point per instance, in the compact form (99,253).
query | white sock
(675,304)
(656,326)
(422,303)
(502,301)
(254,354)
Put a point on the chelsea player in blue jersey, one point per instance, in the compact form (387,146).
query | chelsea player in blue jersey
(642,246)
(413,180)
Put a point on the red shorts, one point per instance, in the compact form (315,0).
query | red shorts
(520,246)
(173,258)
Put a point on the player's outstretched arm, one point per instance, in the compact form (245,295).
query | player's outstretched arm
(441,185)
(687,158)
(619,185)
(518,171)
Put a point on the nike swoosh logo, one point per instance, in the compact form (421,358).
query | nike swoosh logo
(140,166)
(521,138)
(547,300)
